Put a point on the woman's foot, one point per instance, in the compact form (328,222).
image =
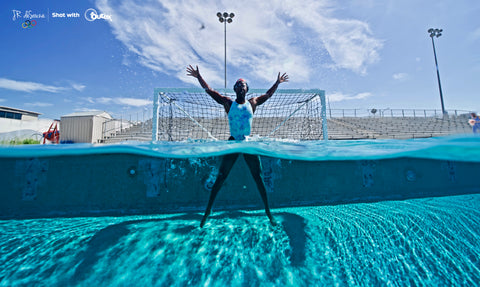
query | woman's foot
(204,219)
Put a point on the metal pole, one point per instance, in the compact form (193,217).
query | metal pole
(225,18)
(225,31)
(438,76)
(437,33)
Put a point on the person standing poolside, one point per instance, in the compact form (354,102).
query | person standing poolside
(475,123)
(240,114)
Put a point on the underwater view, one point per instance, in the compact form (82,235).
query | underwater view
(419,241)
(431,241)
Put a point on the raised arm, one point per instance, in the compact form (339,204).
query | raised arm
(225,101)
(263,98)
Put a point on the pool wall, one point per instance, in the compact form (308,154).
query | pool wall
(116,184)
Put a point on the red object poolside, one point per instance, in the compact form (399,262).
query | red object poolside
(53,134)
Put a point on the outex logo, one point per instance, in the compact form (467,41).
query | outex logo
(92,15)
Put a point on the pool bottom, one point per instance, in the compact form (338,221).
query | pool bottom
(429,241)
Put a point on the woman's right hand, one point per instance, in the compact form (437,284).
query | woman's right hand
(192,72)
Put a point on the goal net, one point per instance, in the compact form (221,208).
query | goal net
(181,114)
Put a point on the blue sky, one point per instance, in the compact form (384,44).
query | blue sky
(363,53)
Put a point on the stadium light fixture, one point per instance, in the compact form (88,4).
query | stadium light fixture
(437,33)
(225,18)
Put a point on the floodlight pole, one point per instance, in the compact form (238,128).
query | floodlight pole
(225,18)
(437,33)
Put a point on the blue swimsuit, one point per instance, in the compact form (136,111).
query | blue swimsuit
(240,120)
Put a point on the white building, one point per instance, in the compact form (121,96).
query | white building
(83,127)
(17,114)
(21,124)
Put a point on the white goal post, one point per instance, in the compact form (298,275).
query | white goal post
(190,113)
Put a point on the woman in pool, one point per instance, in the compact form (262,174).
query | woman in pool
(240,113)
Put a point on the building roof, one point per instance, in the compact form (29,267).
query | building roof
(23,112)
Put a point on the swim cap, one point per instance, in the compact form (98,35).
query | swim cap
(237,84)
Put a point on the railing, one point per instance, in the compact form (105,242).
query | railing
(112,127)
(423,113)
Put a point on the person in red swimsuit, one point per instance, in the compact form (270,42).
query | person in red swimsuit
(239,114)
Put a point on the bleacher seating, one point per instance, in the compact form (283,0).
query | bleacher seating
(348,128)
(395,127)
(139,132)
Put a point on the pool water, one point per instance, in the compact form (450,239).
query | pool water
(432,241)
(458,148)
(424,241)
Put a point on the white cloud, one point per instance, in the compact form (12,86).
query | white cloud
(78,87)
(28,87)
(265,37)
(38,104)
(134,102)
(104,100)
(338,97)
(84,110)
(474,35)
(121,101)
(400,76)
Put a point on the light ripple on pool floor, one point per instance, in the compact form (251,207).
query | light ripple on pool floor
(432,241)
